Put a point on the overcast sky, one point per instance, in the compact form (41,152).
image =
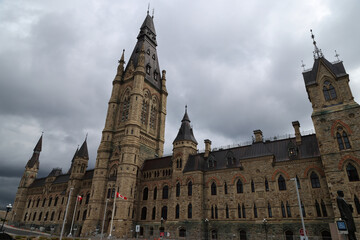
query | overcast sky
(236,65)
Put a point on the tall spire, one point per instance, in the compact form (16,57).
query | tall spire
(185,131)
(83,151)
(317,52)
(34,160)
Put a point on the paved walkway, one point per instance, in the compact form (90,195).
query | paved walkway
(22,232)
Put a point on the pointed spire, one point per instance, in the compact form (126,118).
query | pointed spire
(185,131)
(34,160)
(317,52)
(83,151)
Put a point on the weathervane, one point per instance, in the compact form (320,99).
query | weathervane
(148,8)
(337,55)
(317,52)
(303,65)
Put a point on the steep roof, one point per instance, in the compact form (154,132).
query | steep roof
(147,37)
(185,131)
(34,160)
(336,68)
(157,163)
(83,151)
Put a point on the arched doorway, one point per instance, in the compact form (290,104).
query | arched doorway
(243,235)
(289,235)
(325,235)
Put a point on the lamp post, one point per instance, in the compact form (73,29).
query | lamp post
(8,209)
(206,229)
(265,228)
(299,201)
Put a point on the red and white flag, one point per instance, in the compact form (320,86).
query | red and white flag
(120,196)
(79,198)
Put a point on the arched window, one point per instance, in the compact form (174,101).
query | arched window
(269,210)
(239,211)
(189,188)
(50,200)
(29,203)
(243,211)
(143,213)
(34,216)
(214,234)
(357,204)
(37,202)
(227,211)
(177,211)
(155,193)
(165,193)
(317,206)
(44,201)
(182,232)
(230,158)
(303,210)
(153,118)
(112,193)
(25,216)
(46,216)
(125,108)
(323,208)
(315,182)
(216,212)
(40,215)
(52,216)
(78,216)
(239,186)
(144,112)
(225,188)
(325,235)
(59,215)
(153,213)
(212,212)
(288,209)
(252,186)
(213,188)
(87,198)
(342,139)
(255,211)
(281,183)
(266,185)
(243,235)
(108,193)
(178,189)
(145,193)
(283,210)
(289,235)
(164,212)
(56,201)
(298,182)
(84,215)
(329,91)
(352,173)
(189,210)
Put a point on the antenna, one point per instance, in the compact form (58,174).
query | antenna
(153,10)
(148,8)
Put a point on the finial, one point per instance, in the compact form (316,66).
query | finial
(317,52)
(153,13)
(337,55)
(86,137)
(148,8)
(303,65)
(186,108)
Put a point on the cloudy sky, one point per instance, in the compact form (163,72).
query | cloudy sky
(236,65)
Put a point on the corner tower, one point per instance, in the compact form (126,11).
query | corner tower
(134,131)
(335,117)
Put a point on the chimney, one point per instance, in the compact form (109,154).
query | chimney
(296,126)
(207,147)
(258,135)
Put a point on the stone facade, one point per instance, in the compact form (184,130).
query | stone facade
(217,194)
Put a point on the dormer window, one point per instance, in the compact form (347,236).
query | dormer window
(155,76)
(148,69)
(212,162)
(329,91)
(153,56)
(148,51)
(292,150)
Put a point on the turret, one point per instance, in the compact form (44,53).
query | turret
(79,162)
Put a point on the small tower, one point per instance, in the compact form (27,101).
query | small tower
(184,144)
(79,162)
(31,170)
(335,117)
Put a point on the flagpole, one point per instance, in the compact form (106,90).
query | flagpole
(102,227)
(73,218)
(112,216)
(67,206)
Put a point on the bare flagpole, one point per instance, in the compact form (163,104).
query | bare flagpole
(67,206)
(112,215)
(102,227)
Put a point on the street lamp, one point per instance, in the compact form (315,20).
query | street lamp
(8,209)
(265,228)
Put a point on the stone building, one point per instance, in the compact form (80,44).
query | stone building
(244,192)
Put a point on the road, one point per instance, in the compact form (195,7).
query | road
(22,232)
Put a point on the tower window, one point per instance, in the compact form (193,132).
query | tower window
(177,211)
(213,189)
(317,206)
(189,210)
(189,188)
(144,112)
(342,139)
(252,186)
(227,211)
(266,185)
(126,107)
(288,209)
(165,192)
(243,211)
(178,189)
(269,210)
(315,182)
(329,91)
(225,188)
(153,117)
(352,173)
(145,193)
(323,208)
(239,187)
(283,210)
(281,183)
(255,211)
(239,211)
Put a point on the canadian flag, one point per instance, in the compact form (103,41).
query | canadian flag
(79,198)
(120,196)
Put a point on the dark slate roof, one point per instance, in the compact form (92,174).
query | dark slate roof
(38,182)
(62,178)
(147,37)
(83,151)
(279,149)
(89,174)
(337,68)
(34,160)
(157,163)
(55,172)
(185,131)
